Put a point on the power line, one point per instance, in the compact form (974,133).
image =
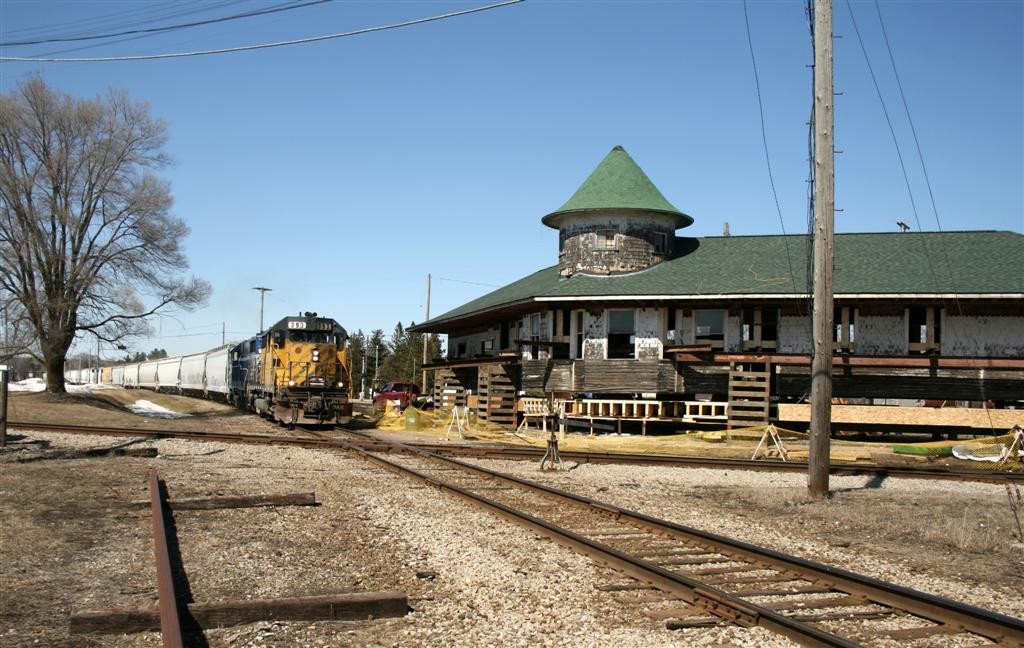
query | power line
(764,141)
(896,144)
(131,18)
(471,283)
(906,108)
(244,48)
(288,6)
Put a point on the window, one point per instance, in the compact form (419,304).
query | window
(460,349)
(671,332)
(660,242)
(924,331)
(566,315)
(711,328)
(579,334)
(487,346)
(605,240)
(621,334)
(760,327)
(504,335)
(843,320)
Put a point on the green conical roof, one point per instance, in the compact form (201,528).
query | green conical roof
(617,184)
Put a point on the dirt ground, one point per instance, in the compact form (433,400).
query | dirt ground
(69,540)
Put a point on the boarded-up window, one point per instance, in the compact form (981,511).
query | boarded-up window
(605,240)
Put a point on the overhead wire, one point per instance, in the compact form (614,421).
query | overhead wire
(764,141)
(287,6)
(809,256)
(895,141)
(939,287)
(148,14)
(935,210)
(245,48)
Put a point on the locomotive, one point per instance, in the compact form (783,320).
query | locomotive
(294,372)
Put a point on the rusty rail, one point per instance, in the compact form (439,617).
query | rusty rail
(170,624)
(534,454)
(942,611)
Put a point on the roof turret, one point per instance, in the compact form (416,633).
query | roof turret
(617,184)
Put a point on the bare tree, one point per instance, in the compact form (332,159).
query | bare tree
(87,240)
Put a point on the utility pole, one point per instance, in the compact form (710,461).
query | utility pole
(4,375)
(426,337)
(824,202)
(362,380)
(263,291)
(223,329)
(376,366)
(97,362)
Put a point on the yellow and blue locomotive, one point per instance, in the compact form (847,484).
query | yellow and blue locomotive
(296,371)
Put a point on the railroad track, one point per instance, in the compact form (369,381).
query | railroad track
(704,578)
(690,577)
(313,439)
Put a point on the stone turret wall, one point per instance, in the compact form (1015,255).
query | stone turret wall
(613,244)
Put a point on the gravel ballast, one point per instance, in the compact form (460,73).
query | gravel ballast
(472,578)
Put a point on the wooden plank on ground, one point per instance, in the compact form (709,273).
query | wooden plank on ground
(239,501)
(358,605)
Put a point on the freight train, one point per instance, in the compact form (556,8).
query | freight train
(296,371)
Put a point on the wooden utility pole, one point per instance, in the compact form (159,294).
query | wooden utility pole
(4,376)
(426,336)
(263,291)
(824,202)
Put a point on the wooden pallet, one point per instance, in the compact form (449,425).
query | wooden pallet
(749,394)
(448,389)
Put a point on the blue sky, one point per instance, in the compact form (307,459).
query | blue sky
(341,173)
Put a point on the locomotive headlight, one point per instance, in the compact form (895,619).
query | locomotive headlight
(316,355)
(291,383)
(341,384)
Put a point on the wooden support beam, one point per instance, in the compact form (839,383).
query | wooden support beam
(359,605)
(238,501)
(90,453)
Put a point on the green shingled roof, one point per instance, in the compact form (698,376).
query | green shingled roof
(617,184)
(924,263)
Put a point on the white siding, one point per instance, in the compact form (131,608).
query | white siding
(650,325)
(880,335)
(733,333)
(595,346)
(982,335)
(795,334)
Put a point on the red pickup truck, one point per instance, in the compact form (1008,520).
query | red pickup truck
(403,392)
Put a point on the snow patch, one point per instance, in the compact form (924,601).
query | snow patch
(38,385)
(27,385)
(152,410)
